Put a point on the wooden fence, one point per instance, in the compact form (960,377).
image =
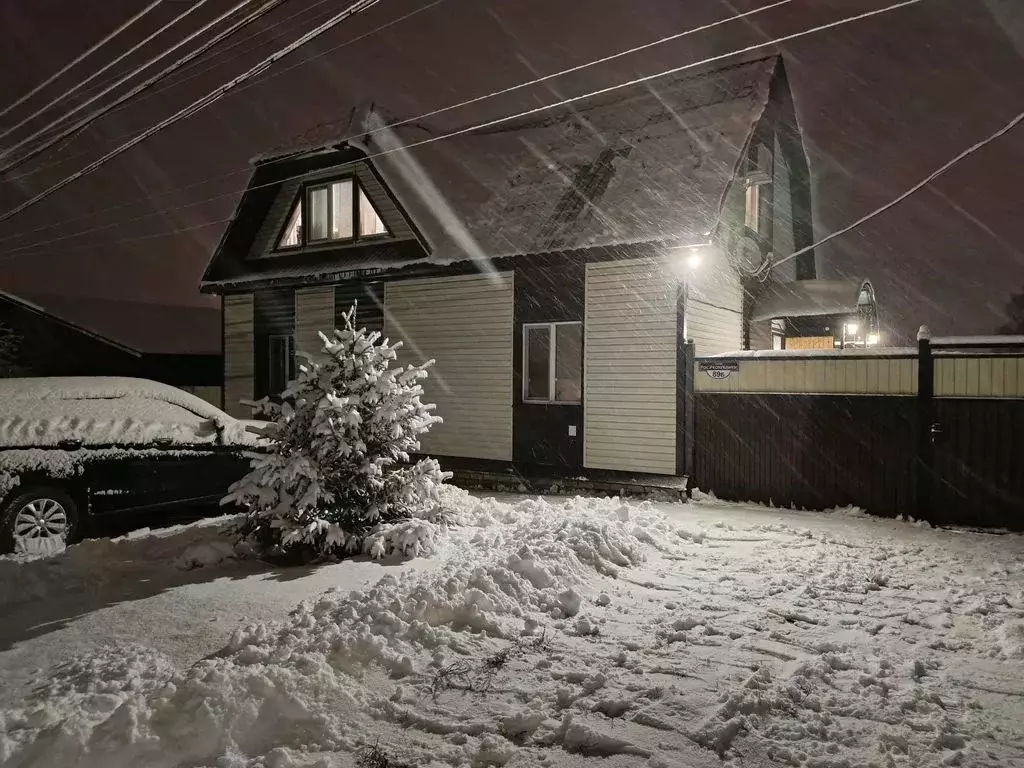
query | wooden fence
(934,431)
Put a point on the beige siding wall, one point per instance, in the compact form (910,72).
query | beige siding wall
(714,306)
(465,324)
(238,357)
(979,377)
(629,375)
(314,313)
(892,376)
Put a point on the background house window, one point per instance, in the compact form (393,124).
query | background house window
(553,362)
(778,333)
(281,363)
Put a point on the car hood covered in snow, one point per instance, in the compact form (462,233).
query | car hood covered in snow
(55,412)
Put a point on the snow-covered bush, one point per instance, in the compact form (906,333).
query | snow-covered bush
(339,478)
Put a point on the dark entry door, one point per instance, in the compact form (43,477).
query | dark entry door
(977,477)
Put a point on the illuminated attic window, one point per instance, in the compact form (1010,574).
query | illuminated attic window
(336,211)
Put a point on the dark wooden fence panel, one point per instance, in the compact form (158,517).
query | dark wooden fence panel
(814,451)
(978,466)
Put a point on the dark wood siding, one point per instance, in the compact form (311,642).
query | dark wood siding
(978,476)
(370,307)
(273,315)
(548,289)
(813,451)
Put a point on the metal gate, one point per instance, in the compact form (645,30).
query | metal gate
(975,427)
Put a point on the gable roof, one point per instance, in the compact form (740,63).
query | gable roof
(646,163)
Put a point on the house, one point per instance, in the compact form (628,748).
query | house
(74,336)
(816,314)
(553,266)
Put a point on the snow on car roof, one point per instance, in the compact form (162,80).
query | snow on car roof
(46,412)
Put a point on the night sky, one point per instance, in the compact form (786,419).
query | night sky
(882,103)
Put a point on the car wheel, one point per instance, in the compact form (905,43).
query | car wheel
(38,520)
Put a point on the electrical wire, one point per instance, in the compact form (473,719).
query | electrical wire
(191,76)
(485,124)
(80,58)
(437,111)
(174,66)
(916,188)
(201,182)
(78,86)
(195,106)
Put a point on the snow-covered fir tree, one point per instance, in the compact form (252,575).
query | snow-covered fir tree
(339,478)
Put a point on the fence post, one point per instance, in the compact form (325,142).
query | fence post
(689,414)
(923,466)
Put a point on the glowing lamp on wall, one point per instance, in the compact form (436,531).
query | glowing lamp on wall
(873,339)
(851,329)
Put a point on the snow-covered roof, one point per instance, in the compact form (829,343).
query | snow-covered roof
(41,412)
(647,163)
(806,298)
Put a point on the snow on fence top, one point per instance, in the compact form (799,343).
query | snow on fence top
(50,412)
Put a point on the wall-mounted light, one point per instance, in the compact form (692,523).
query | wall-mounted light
(873,339)
(851,329)
(693,258)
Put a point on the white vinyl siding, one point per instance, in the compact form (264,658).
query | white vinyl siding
(465,324)
(238,354)
(714,306)
(314,312)
(629,380)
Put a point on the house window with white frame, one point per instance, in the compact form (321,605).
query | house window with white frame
(335,211)
(553,362)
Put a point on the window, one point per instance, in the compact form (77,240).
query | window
(281,367)
(778,334)
(292,235)
(553,362)
(752,212)
(338,210)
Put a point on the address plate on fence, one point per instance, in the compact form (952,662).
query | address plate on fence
(718,370)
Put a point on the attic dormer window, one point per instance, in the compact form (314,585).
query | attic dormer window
(336,211)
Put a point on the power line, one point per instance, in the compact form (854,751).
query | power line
(467,102)
(201,182)
(474,127)
(80,58)
(78,86)
(196,106)
(174,66)
(191,76)
(916,188)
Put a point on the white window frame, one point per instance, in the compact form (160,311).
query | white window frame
(552,352)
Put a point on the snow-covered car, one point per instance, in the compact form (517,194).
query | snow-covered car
(75,449)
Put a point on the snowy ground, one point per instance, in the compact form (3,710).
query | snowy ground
(542,633)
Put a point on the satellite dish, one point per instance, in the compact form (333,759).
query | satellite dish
(749,254)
